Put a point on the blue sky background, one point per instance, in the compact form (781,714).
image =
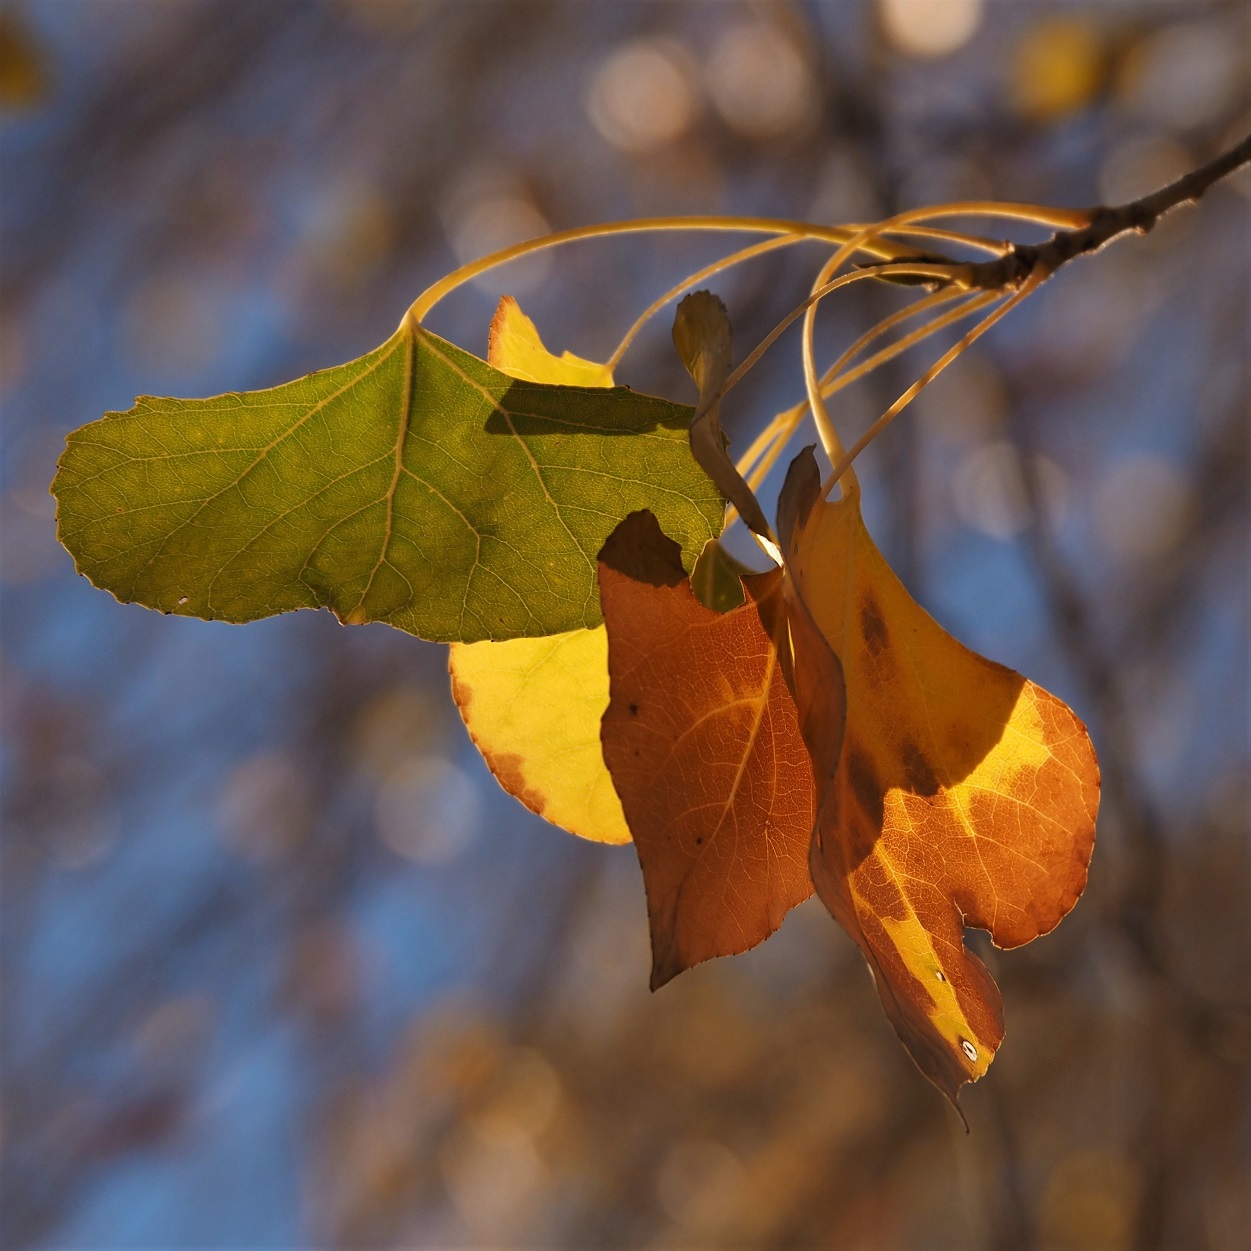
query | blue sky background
(255,877)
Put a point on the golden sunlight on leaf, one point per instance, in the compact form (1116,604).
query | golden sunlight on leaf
(962,795)
(533,706)
(704,748)
(514,347)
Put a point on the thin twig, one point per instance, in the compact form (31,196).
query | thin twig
(1136,217)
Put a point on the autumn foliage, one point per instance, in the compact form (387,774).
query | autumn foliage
(827,732)
(757,735)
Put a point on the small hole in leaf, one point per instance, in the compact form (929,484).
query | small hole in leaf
(969,1049)
(185,599)
(938,973)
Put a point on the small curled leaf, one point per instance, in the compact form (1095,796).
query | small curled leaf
(703,338)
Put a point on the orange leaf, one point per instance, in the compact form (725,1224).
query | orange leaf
(963,794)
(703,745)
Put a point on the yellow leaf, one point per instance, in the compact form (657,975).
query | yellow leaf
(533,705)
(963,794)
(514,347)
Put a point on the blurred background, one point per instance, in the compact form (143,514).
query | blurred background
(281,964)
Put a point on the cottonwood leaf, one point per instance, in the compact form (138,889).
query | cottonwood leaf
(704,340)
(703,744)
(533,706)
(417,486)
(963,794)
(515,347)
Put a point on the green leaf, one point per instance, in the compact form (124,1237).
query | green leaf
(417,486)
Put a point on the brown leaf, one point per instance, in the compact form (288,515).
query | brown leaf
(703,744)
(703,338)
(962,794)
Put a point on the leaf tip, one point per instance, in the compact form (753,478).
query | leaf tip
(799,494)
(663,972)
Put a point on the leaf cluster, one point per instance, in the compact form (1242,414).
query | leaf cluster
(753,734)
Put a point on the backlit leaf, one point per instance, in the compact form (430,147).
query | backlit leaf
(515,348)
(704,748)
(963,794)
(704,340)
(533,706)
(417,486)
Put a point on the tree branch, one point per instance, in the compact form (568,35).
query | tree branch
(1138,216)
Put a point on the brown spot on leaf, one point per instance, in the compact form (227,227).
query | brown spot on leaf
(507,767)
(865,785)
(919,775)
(860,840)
(873,625)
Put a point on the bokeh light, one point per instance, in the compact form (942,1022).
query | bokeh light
(759,81)
(930,28)
(1141,505)
(428,810)
(699,1185)
(642,97)
(265,807)
(1057,68)
(486,210)
(990,495)
(1185,75)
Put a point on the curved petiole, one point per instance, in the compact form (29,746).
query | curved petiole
(726,262)
(843,466)
(833,381)
(437,291)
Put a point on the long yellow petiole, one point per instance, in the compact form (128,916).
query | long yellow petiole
(843,466)
(771,442)
(788,420)
(996,247)
(973,304)
(431,296)
(863,238)
(940,272)
(726,262)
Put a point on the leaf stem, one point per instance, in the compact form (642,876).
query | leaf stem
(996,247)
(843,466)
(895,267)
(779,431)
(431,296)
(726,262)
(835,381)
